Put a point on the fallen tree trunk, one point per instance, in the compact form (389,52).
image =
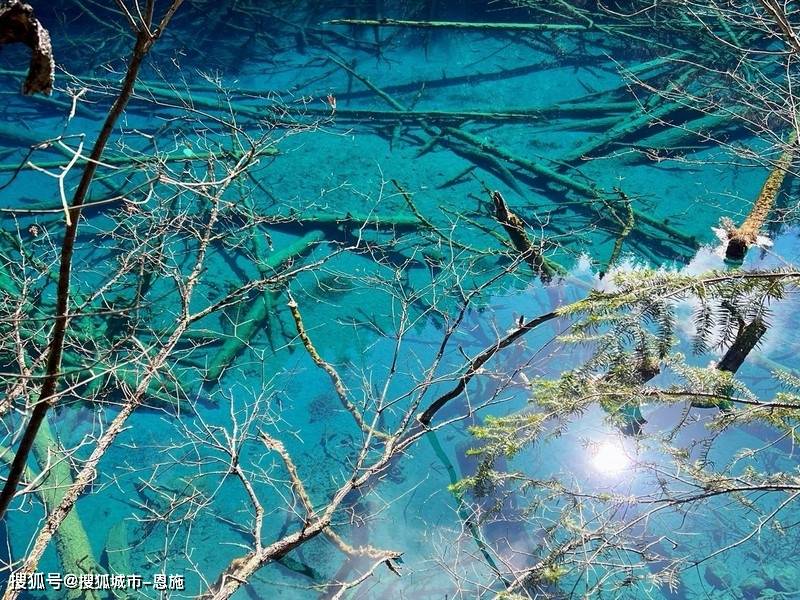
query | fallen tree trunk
(566,182)
(72,542)
(691,132)
(459,25)
(739,239)
(534,167)
(636,121)
(131,161)
(394,221)
(260,310)
(500,114)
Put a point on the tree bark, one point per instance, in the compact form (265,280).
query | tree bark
(18,24)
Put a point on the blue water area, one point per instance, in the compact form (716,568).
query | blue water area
(370,208)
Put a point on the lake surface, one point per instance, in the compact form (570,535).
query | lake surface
(382,146)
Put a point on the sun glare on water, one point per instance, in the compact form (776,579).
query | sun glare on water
(610,458)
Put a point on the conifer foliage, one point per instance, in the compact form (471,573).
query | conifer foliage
(660,343)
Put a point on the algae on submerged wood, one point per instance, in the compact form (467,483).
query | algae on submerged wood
(403,312)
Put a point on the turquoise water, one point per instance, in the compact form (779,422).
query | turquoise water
(300,85)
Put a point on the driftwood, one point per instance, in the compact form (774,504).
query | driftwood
(19,25)
(739,239)
(150,90)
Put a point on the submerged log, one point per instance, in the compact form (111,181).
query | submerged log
(259,311)
(350,219)
(208,96)
(486,148)
(565,181)
(464,513)
(162,393)
(739,239)
(131,161)
(117,550)
(627,226)
(459,25)
(653,111)
(677,136)
(72,542)
(66,540)
(475,114)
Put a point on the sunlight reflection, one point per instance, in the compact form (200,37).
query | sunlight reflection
(609,457)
